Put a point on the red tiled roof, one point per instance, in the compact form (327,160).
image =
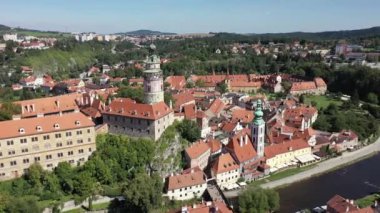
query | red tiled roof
(136,80)
(276,149)
(31,126)
(301,86)
(176,82)
(229,127)
(181,99)
(214,144)
(128,107)
(189,177)
(245,116)
(320,82)
(242,149)
(215,207)
(217,106)
(190,112)
(49,105)
(224,163)
(338,204)
(197,149)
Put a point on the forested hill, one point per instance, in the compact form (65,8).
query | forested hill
(4,28)
(327,35)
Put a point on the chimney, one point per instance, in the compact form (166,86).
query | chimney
(241,140)
(171,104)
(246,139)
(57,103)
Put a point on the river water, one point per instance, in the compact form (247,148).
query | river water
(352,182)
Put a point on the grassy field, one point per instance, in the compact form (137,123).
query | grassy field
(282,174)
(322,100)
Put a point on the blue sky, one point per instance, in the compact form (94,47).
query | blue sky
(187,16)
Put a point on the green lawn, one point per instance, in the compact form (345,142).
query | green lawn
(100,206)
(322,100)
(282,174)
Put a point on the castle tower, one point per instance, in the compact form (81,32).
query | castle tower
(258,130)
(153,80)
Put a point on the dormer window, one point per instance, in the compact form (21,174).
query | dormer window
(77,123)
(56,126)
(21,131)
(38,128)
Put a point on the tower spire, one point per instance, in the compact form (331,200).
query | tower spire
(258,130)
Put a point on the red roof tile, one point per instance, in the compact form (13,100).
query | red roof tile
(189,177)
(241,145)
(292,145)
(224,163)
(197,149)
(176,82)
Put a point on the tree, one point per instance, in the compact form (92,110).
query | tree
(143,193)
(23,205)
(258,200)
(222,88)
(372,98)
(189,130)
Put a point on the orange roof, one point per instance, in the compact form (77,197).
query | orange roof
(217,106)
(320,82)
(189,177)
(300,86)
(339,204)
(40,125)
(245,84)
(292,145)
(48,105)
(215,207)
(243,150)
(224,163)
(128,107)
(181,99)
(243,115)
(190,112)
(214,144)
(176,82)
(229,126)
(197,149)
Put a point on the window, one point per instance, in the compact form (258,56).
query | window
(21,131)
(9,143)
(34,139)
(25,161)
(23,140)
(79,132)
(79,141)
(59,144)
(56,126)
(38,128)
(70,152)
(58,135)
(1,165)
(71,161)
(69,143)
(80,151)
(68,134)
(89,130)
(49,165)
(24,150)
(36,159)
(46,137)
(48,157)
(89,140)
(11,152)
(1,154)
(89,149)
(60,155)
(77,123)
(13,163)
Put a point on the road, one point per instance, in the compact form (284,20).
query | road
(322,167)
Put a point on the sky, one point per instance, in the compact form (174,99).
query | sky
(191,16)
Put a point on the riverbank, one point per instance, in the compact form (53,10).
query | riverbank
(326,166)
(323,167)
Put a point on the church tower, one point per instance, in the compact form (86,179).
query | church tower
(258,130)
(153,79)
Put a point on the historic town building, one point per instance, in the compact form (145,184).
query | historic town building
(153,81)
(45,140)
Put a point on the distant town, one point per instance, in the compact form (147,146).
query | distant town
(182,123)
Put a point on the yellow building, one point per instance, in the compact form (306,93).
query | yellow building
(45,140)
(288,153)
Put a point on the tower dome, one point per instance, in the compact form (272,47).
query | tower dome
(258,114)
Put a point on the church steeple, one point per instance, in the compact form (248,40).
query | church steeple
(258,130)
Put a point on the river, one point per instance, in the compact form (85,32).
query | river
(354,181)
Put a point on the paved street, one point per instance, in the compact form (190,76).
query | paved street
(324,166)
